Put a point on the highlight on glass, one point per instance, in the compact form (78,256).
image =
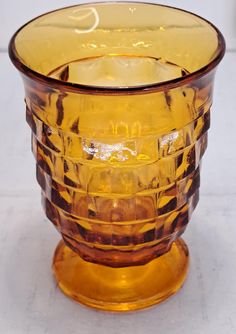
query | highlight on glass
(118,98)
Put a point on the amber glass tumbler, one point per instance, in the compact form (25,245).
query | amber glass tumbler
(118,98)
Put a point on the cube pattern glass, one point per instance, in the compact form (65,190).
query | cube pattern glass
(118,163)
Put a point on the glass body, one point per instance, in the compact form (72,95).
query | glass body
(118,98)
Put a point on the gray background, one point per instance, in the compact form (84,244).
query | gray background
(30,302)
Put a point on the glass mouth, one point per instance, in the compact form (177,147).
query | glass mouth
(143,48)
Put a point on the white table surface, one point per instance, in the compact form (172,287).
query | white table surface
(31,303)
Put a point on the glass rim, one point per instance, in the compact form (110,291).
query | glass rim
(116,90)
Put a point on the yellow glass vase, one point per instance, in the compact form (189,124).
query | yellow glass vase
(118,98)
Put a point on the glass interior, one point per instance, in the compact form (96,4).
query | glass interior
(117,44)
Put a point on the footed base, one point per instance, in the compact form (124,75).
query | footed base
(121,289)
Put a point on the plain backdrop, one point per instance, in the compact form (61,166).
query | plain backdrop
(30,301)
(14,13)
